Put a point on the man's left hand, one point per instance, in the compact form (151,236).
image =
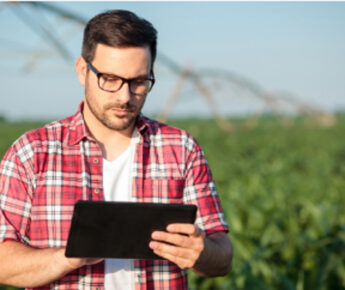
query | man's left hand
(186,243)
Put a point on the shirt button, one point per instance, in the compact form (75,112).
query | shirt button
(97,190)
(96,161)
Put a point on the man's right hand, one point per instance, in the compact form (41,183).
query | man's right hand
(79,262)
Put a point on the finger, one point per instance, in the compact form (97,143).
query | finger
(179,261)
(188,229)
(175,239)
(93,261)
(163,250)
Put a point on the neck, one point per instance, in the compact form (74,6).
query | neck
(112,142)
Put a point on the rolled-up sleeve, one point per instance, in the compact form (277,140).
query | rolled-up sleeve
(15,202)
(200,189)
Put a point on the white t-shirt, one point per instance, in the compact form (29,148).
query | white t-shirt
(117,184)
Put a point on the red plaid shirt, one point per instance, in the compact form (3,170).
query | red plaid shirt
(48,169)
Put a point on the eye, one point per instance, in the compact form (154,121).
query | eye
(110,78)
(139,82)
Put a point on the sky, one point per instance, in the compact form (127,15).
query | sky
(283,47)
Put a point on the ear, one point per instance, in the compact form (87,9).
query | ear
(81,68)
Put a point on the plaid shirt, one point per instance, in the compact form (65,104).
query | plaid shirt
(48,169)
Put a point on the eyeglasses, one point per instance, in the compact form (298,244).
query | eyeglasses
(140,86)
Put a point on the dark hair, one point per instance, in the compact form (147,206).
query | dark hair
(118,28)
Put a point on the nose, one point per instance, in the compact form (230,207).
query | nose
(124,95)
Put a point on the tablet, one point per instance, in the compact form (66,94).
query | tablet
(101,229)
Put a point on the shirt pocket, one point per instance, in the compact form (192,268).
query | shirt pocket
(163,190)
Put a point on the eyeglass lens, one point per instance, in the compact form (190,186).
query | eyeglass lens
(136,86)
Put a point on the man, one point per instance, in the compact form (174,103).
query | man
(108,151)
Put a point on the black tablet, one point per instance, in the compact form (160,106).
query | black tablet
(122,230)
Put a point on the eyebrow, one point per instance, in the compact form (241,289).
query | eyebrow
(143,76)
(136,77)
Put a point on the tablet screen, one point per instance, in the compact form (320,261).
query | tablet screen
(102,229)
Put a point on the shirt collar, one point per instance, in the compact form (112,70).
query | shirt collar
(77,127)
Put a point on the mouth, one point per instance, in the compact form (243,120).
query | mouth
(121,112)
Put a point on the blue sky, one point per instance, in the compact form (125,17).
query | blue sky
(295,47)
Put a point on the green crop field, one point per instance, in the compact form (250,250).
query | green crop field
(283,193)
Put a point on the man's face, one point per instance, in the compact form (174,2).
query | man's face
(114,110)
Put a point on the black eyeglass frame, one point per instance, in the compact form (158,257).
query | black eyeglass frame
(124,80)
